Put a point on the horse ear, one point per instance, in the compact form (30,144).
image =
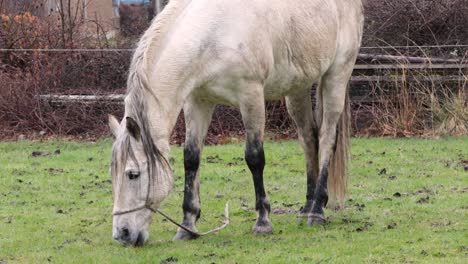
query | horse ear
(133,128)
(114,125)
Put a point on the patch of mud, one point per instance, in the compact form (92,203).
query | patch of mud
(236,161)
(392,225)
(71,241)
(464,164)
(460,189)
(54,171)
(290,204)
(441,224)
(9,220)
(45,153)
(66,242)
(283,211)
(423,191)
(364,227)
(169,260)
(359,207)
(213,159)
(383,171)
(19,172)
(347,221)
(423,200)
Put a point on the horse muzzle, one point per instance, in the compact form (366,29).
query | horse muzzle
(126,237)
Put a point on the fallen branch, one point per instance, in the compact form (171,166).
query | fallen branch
(118,98)
(410,66)
(406,59)
(376,78)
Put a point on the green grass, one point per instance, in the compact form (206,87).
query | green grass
(58,208)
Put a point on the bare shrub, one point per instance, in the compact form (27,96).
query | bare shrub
(395,113)
(134,18)
(26,74)
(420,22)
(417,103)
(450,113)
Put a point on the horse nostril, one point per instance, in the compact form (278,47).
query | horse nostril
(125,233)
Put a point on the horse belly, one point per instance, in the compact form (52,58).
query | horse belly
(286,80)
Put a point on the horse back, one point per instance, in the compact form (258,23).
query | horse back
(285,45)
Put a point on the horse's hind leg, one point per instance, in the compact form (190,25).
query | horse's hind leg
(252,106)
(197,120)
(333,92)
(300,109)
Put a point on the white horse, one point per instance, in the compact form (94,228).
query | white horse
(200,53)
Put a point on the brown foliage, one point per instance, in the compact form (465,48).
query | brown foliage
(417,103)
(26,74)
(134,18)
(401,108)
(416,22)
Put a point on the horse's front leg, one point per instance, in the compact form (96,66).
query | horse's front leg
(197,119)
(252,107)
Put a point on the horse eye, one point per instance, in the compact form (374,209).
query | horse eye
(132,175)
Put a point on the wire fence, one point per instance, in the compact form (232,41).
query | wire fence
(70,92)
(131,50)
(38,59)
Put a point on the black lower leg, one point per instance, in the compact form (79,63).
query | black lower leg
(255,158)
(311,176)
(320,198)
(191,203)
(321,192)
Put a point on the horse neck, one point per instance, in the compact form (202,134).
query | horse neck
(168,85)
(154,79)
(162,117)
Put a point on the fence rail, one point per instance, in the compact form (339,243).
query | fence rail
(118,98)
(411,66)
(370,68)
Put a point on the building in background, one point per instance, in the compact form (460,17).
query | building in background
(94,12)
(129,16)
(135,15)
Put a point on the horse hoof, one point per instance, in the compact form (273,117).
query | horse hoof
(264,229)
(316,220)
(304,211)
(302,215)
(184,235)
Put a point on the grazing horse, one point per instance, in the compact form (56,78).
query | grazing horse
(200,53)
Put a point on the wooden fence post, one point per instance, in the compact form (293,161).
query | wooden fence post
(157,7)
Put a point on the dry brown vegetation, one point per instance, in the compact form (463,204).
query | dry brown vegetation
(411,106)
(416,102)
(416,22)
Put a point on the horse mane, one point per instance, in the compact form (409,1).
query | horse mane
(149,45)
(124,150)
(137,83)
(137,89)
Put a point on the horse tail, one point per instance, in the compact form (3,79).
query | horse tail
(337,169)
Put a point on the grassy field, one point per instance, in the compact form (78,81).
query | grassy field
(408,203)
